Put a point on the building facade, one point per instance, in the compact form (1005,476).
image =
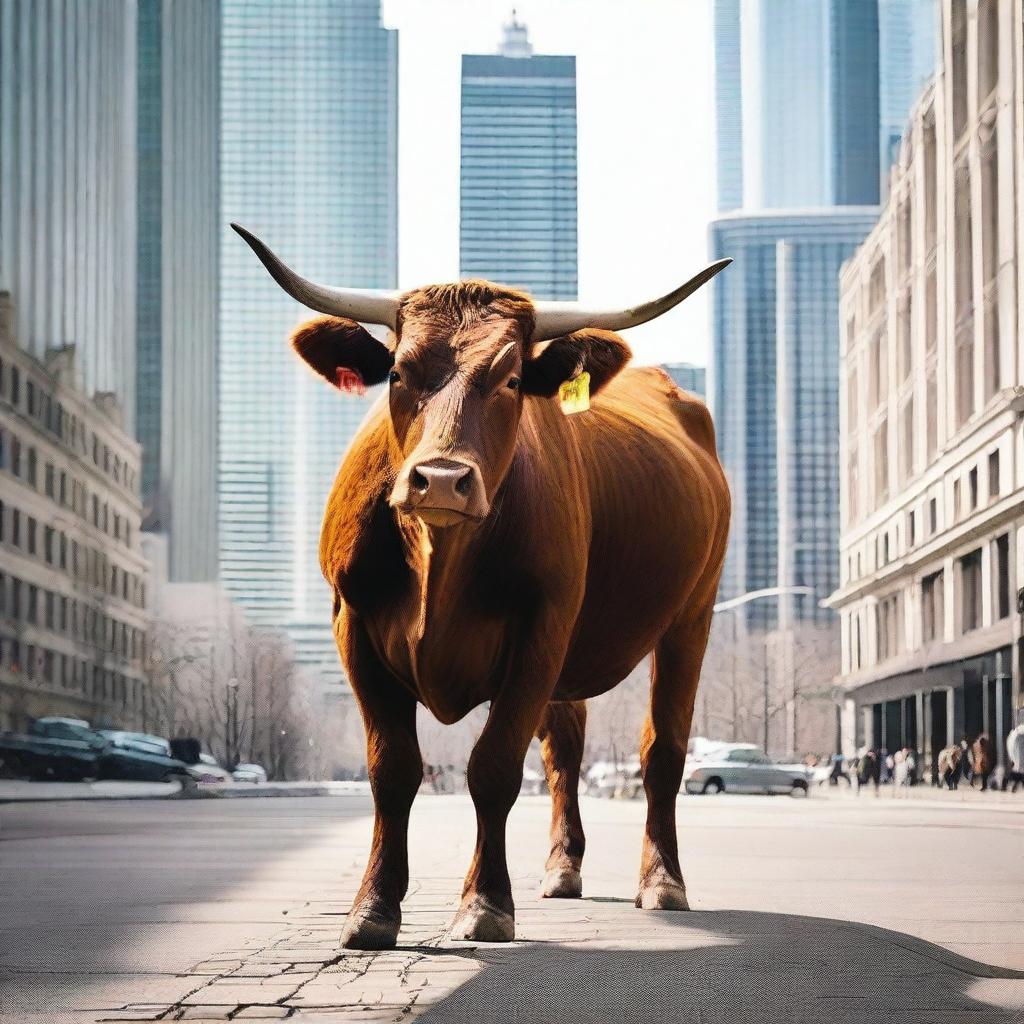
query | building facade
(517,222)
(689,377)
(67,184)
(774,398)
(308,159)
(932,551)
(72,576)
(178,141)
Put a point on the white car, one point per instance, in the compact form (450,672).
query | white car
(253,773)
(745,768)
(206,771)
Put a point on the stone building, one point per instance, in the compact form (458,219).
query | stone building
(72,576)
(932,438)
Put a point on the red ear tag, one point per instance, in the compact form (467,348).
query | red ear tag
(349,380)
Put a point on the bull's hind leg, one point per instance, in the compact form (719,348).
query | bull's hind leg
(674,676)
(561,737)
(395,769)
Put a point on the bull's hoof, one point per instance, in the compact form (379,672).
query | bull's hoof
(562,884)
(662,896)
(478,920)
(369,929)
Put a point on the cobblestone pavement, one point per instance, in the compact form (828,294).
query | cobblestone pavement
(815,910)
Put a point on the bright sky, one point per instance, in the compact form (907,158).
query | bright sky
(645,106)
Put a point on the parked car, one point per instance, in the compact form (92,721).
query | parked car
(68,750)
(745,768)
(253,773)
(610,779)
(139,756)
(53,749)
(207,771)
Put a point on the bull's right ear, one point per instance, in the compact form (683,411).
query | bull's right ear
(343,352)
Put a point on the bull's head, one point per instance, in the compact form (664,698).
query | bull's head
(462,358)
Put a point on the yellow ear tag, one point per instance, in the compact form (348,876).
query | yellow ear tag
(575,394)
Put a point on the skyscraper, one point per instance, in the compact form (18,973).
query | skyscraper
(689,377)
(178,257)
(518,191)
(798,115)
(67,185)
(309,161)
(906,60)
(801,86)
(774,395)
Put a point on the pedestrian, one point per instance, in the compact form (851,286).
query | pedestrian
(838,771)
(966,763)
(911,766)
(983,759)
(899,773)
(1014,774)
(870,769)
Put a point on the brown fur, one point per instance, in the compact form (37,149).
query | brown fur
(603,541)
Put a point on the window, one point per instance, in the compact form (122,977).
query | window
(1001,558)
(911,528)
(906,452)
(881,447)
(904,350)
(972,489)
(932,608)
(970,591)
(958,32)
(49,480)
(32,466)
(931,415)
(993,475)
(956,500)
(889,626)
(964,338)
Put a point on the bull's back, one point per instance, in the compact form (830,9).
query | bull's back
(659,507)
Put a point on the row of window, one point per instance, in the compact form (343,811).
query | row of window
(50,414)
(968,590)
(85,564)
(40,664)
(966,499)
(23,462)
(25,602)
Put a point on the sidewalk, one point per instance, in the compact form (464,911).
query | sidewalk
(18,792)
(795,919)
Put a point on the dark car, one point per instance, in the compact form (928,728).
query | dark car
(68,750)
(140,757)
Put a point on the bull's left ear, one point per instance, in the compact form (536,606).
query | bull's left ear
(343,352)
(601,353)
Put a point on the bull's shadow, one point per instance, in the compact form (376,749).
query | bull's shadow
(733,967)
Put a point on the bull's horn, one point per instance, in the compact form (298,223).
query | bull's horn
(556,319)
(368,307)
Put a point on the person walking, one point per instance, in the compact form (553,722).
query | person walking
(1015,754)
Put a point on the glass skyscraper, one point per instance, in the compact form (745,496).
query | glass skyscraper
(518,168)
(309,162)
(177,274)
(798,86)
(774,395)
(801,86)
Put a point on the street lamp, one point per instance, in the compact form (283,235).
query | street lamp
(731,605)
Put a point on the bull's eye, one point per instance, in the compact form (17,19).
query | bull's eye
(394,377)
(513,384)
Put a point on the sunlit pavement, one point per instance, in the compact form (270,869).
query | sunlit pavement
(825,909)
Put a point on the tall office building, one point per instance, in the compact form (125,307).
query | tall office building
(774,395)
(800,87)
(518,190)
(798,116)
(308,161)
(907,57)
(178,257)
(930,592)
(67,184)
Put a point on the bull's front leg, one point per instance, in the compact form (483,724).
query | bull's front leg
(494,776)
(395,768)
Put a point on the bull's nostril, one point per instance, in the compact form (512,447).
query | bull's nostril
(463,484)
(418,481)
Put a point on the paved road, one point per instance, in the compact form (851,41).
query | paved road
(204,910)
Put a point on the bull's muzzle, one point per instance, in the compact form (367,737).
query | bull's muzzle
(442,492)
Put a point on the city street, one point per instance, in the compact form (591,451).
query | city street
(825,909)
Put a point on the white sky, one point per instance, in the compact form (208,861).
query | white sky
(645,105)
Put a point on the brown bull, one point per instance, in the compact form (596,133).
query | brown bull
(484,546)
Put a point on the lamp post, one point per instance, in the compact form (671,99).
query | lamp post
(737,602)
